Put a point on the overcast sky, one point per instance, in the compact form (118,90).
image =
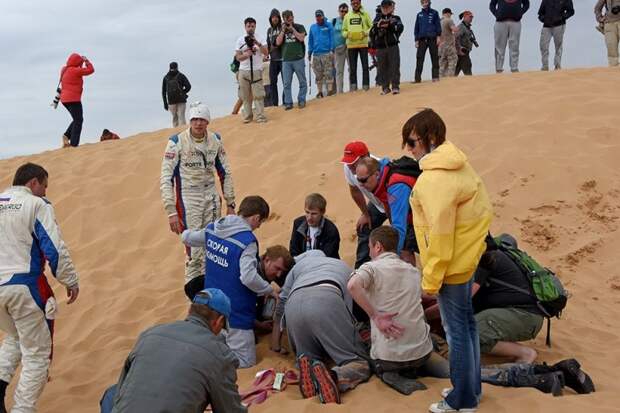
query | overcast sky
(131,43)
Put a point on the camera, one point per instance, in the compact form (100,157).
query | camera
(249,42)
(56,99)
(615,10)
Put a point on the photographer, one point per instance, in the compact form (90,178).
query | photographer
(385,32)
(71,87)
(249,51)
(465,41)
(611,26)
(293,51)
(553,15)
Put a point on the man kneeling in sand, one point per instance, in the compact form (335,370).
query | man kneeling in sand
(181,366)
(388,289)
(317,310)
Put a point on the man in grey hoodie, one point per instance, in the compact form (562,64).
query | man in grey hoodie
(317,309)
(234,266)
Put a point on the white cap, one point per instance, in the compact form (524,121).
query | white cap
(199,110)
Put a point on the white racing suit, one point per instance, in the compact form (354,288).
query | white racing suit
(29,236)
(188,187)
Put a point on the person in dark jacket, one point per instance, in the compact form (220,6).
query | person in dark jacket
(313,231)
(275,53)
(508,14)
(465,42)
(385,33)
(181,366)
(71,87)
(174,90)
(427,31)
(553,15)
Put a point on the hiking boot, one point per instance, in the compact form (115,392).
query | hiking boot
(401,383)
(574,377)
(306,381)
(386,91)
(549,383)
(395,91)
(324,384)
(444,407)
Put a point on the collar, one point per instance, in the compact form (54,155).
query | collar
(303,227)
(199,321)
(21,188)
(388,255)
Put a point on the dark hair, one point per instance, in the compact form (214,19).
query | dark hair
(446,11)
(254,205)
(174,65)
(343,5)
(203,312)
(279,251)
(386,236)
(371,164)
(28,171)
(316,201)
(286,14)
(249,20)
(429,127)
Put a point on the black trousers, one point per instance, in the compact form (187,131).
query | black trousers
(74,130)
(463,65)
(429,43)
(363,54)
(275,68)
(388,66)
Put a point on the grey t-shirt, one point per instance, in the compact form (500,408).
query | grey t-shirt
(447,36)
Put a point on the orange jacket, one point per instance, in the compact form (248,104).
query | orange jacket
(71,82)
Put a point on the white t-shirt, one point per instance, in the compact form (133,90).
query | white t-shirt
(257,58)
(352,180)
(312,232)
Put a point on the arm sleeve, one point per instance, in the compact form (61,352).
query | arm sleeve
(166,185)
(526,6)
(224,173)
(570,9)
(331,246)
(400,27)
(367,23)
(285,292)
(345,28)
(440,208)
(399,207)
(493,7)
(249,271)
(194,238)
(541,12)
(186,85)
(366,275)
(598,10)
(224,393)
(53,247)
(88,70)
(332,46)
(163,91)
(416,29)
(437,24)
(294,248)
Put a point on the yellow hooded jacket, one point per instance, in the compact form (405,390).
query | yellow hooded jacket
(451,217)
(355,28)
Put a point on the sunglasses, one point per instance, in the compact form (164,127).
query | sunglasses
(363,180)
(412,142)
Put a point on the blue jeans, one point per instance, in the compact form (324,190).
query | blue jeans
(107,401)
(457,315)
(299,68)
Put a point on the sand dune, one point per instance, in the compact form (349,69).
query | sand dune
(546,145)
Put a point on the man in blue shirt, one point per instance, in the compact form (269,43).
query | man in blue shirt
(321,46)
(427,31)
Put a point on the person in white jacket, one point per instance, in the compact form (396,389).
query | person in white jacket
(29,237)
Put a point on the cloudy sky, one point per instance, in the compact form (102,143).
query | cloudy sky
(131,43)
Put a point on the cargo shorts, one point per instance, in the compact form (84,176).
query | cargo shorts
(506,324)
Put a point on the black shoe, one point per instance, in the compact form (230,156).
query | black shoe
(575,378)
(401,383)
(549,383)
(319,95)
(288,107)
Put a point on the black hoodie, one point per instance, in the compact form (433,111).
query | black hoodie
(275,52)
(509,10)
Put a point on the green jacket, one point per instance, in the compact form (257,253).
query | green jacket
(355,29)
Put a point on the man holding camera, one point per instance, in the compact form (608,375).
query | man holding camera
(553,15)
(293,52)
(385,32)
(465,42)
(611,26)
(249,51)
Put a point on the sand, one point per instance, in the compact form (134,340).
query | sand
(546,145)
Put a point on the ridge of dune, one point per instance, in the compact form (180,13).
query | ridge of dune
(545,144)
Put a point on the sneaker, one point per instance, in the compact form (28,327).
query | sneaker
(301,105)
(396,91)
(288,107)
(366,88)
(352,88)
(445,392)
(261,120)
(574,377)
(324,384)
(247,120)
(306,381)
(386,92)
(499,71)
(514,70)
(443,407)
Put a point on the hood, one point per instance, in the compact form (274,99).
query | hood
(74,60)
(230,225)
(445,156)
(275,12)
(172,73)
(309,254)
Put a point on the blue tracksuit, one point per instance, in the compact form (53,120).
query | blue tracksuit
(427,24)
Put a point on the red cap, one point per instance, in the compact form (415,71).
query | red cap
(353,151)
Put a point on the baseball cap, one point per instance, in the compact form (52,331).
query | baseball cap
(199,110)
(319,13)
(387,2)
(353,151)
(215,299)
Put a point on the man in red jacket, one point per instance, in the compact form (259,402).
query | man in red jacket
(71,85)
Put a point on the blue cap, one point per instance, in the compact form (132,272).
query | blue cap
(215,299)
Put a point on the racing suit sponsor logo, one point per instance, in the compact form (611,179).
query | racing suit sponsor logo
(10,207)
(169,155)
(193,164)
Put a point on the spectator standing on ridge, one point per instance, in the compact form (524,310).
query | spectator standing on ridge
(386,30)
(448,57)
(340,47)
(71,87)
(465,41)
(611,26)
(174,89)
(427,31)
(508,14)
(275,53)
(355,29)
(292,38)
(553,15)
(321,47)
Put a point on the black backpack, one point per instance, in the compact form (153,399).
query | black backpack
(405,166)
(174,90)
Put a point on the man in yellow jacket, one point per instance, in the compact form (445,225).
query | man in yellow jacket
(355,29)
(451,217)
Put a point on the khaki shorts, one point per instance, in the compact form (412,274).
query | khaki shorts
(506,324)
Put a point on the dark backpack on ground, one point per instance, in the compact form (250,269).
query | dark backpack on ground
(545,287)
(174,90)
(405,166)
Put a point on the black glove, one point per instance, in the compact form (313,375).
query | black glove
(166,107)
